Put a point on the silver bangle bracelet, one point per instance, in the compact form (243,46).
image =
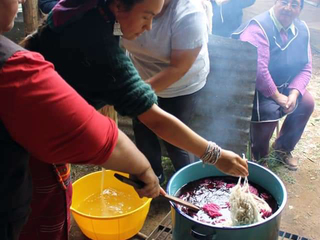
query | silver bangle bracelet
(212,154)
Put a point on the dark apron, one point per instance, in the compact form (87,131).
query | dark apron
(51,201)
(266,109)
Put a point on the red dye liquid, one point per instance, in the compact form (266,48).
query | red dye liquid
(212,196)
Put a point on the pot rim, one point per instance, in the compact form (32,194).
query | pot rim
(276,214)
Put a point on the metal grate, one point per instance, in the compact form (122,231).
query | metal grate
(164,232)
(286,235)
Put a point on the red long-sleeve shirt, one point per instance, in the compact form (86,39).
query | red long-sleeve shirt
(48,118)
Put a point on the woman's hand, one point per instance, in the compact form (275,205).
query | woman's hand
(152,187)
(232,164)
(292,100)
(281,99)
(127,158)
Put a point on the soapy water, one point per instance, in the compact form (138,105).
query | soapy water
(110,202)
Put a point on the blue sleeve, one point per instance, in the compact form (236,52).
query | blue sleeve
(47,5)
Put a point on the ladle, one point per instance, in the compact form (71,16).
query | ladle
(139,184)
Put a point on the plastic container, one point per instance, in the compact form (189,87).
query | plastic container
(113,227)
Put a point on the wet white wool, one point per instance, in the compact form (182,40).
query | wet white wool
(245,207)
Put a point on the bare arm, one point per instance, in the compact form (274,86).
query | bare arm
(180,63)
(127,158)
(175,132)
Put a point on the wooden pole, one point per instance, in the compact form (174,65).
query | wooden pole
(30,16)
(110,112)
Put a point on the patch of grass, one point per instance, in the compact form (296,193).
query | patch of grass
(311,187)
(168,169)
(273,163)
(278,168)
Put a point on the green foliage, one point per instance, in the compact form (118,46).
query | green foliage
(278,168)
(168,169)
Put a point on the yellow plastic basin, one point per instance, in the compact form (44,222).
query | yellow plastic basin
(115,225)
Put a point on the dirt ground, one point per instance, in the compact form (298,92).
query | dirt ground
(302,213)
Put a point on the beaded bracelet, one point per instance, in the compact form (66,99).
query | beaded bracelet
(212,154)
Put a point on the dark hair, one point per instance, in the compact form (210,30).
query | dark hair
(127,4)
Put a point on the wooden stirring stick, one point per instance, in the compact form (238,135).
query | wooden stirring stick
(178,200)
(139,184)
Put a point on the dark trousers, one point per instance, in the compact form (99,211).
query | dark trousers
(47,5)
(11,231)
(148,143)
(290,133)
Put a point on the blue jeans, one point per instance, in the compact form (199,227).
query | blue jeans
(47,5)
(148,143)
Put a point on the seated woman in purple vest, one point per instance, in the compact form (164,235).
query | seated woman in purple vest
(283,73)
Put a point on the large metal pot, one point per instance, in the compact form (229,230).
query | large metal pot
(186,228)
